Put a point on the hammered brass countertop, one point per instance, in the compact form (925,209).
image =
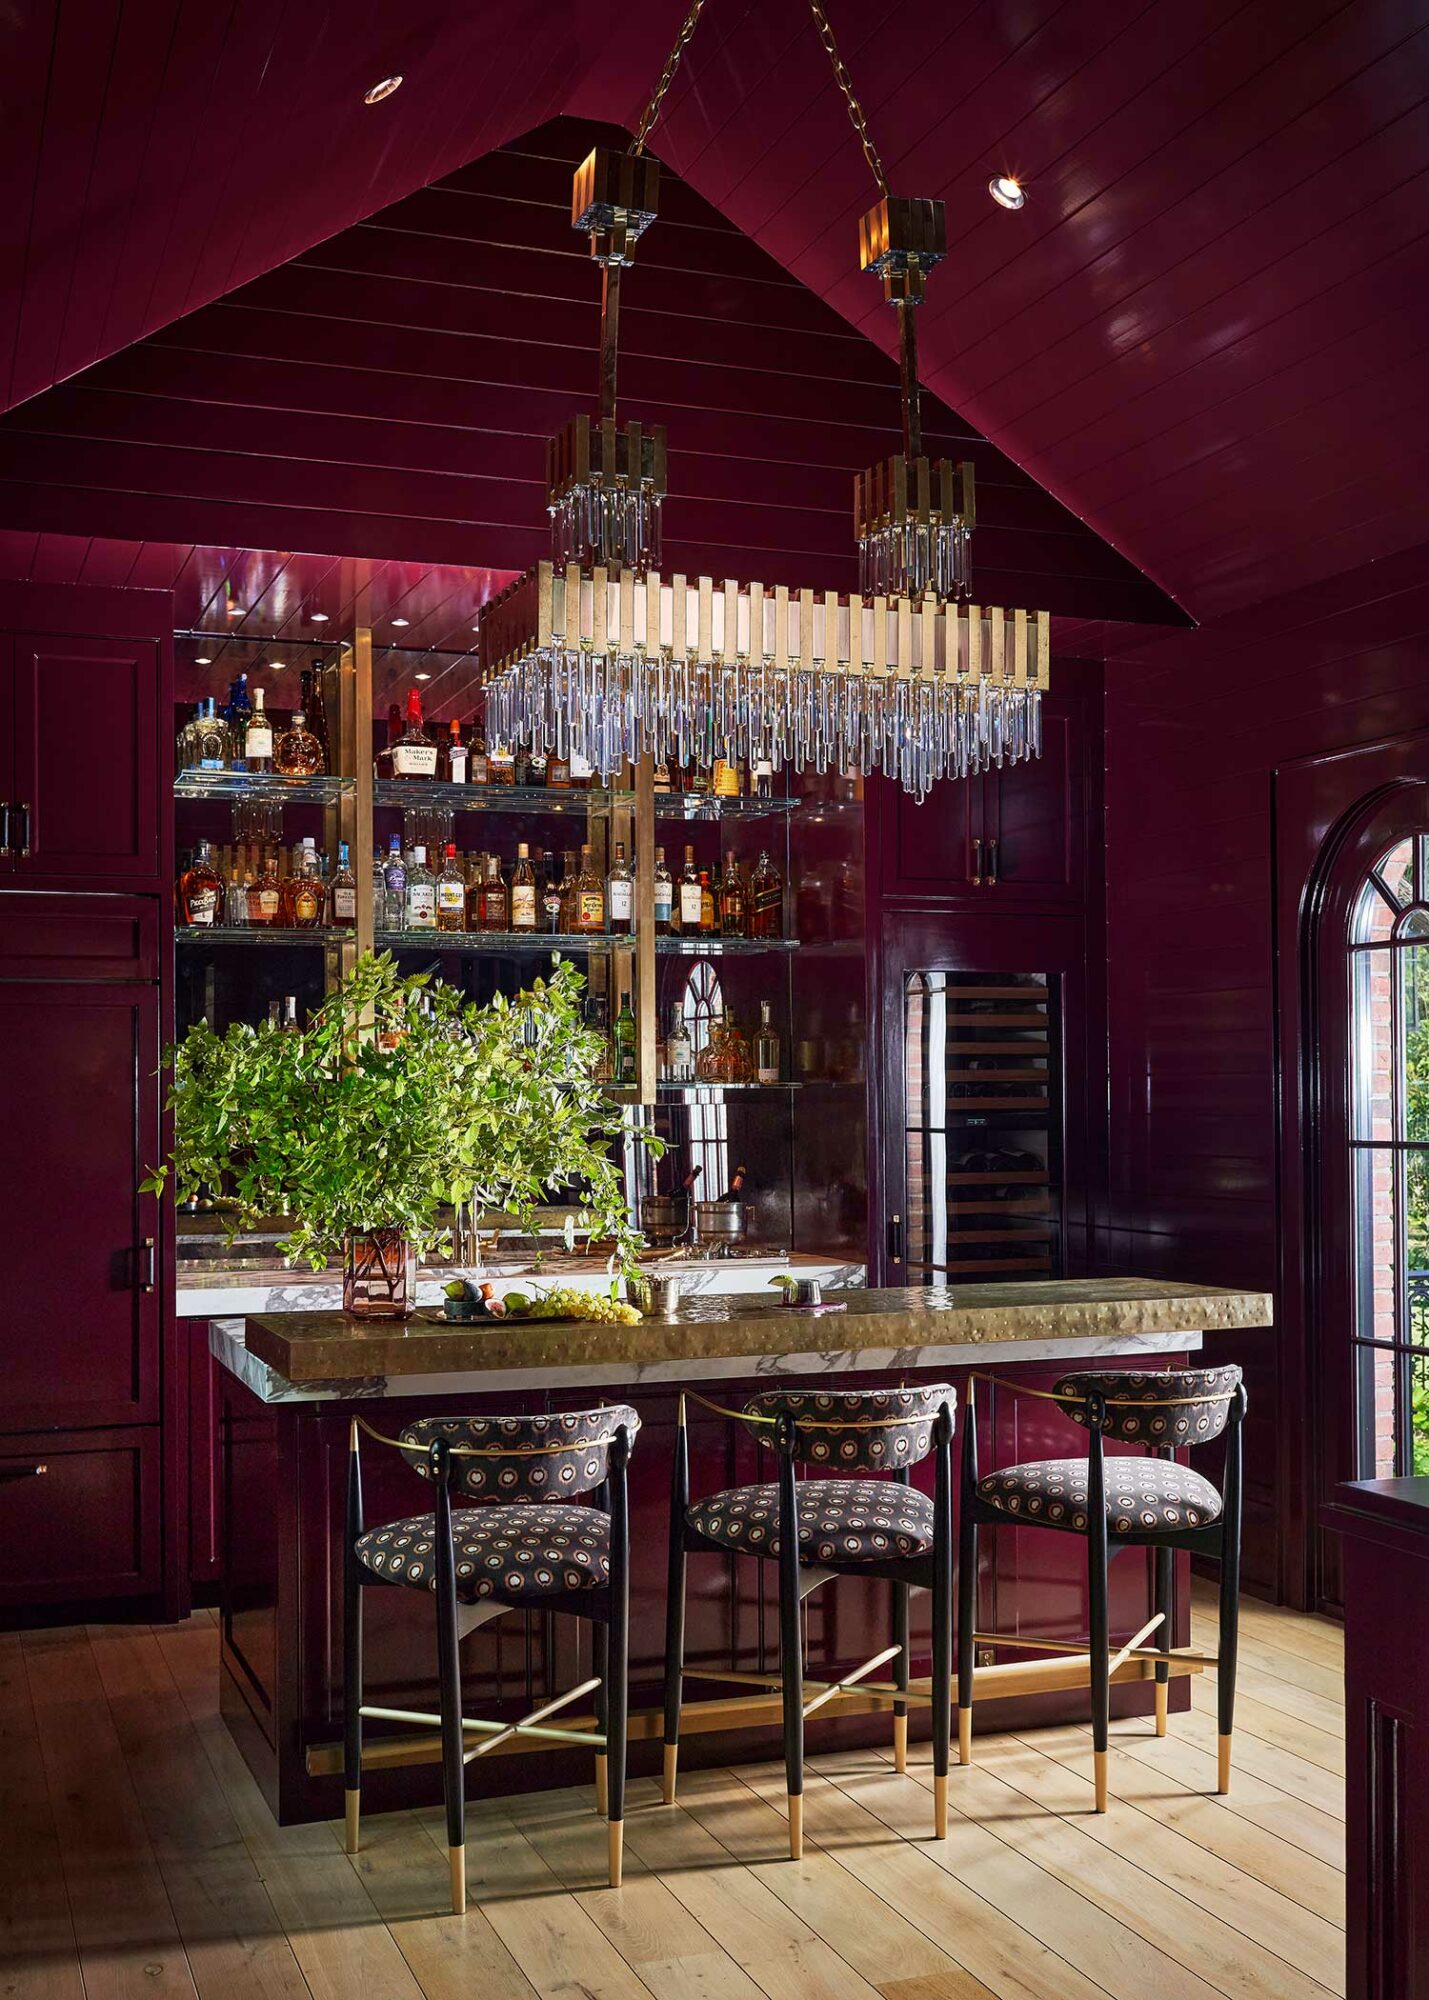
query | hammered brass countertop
(914,1327)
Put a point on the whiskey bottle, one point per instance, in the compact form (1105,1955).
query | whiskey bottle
(626,1038)
(500,766)
(582,772)
(495,904)
(475,876)
(766,900)
(263,895)
(451,892)
(558,772)
(303,898)
(734,901)
(664,894)
(394,909)
(421,893)
(708,925)
(342,892)
(523,892)
(726,779)
(679,1050)
(550,892)
(258,736)
(297,752)
(689,906)
(620,894)
(590,897)
(200,897)
(414,754)
(766,1048)
(478,771)
(455,758)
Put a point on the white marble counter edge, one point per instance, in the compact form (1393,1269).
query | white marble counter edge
(226,1341)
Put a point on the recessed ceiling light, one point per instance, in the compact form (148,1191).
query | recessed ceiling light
(277,666)
(383,89)
(421,677)
(203,659)
(401,621)
(318,617)
(1007,191)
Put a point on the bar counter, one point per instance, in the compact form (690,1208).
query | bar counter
(290,1381)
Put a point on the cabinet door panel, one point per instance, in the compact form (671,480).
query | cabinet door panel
(86,762)
(79,1111)
(1032,819)
(931,846)
(77,936)
(88,1526)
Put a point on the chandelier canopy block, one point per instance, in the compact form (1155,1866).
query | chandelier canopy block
(614,199)
(901,240)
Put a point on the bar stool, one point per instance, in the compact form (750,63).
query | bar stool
(529,1544)
(820,1528)
(1123,1502)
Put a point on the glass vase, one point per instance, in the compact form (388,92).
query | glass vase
(379,1275)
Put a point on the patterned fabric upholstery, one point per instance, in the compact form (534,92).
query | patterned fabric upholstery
(520,1551)
(1144,1496)
(856,1449)
(840,1520)
(1202,1415)
(526,1464)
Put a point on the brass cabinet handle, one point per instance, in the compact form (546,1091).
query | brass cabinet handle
(147,1279)
(977,860)
(24,807)
(895,1239)
(4,830)
(992,864)
(22,1471)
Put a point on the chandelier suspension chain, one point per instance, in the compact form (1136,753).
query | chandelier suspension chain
(842,78)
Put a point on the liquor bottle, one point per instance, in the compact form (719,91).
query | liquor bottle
(736,1185)
(394,915)
(235,901)
(550,892)
(526,767)
(421,893)
(382,767)
(558,772)
(620,894)
(297,752)
(582,772)
(726,779)
(570,876)
(455,757)
(264,896)
(500,766)
(495,903)
(766,900)
(451,892)
(761,778)
(414,754)
(315,708)
(291,1024)
(379,891)
(236,712)
(708,926)
(663,782)
(626,1040)
(689,895)
(597,1019)
(766,1048)
(524,901)
(200,897)
(696,781)
(258,736)
(679,1050)
(301,907)
(478,769)
(212,742)
(342,892)
(664,894)
(733,901)
(687,1185)
(590,897)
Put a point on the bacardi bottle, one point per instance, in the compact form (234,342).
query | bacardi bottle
(421,894)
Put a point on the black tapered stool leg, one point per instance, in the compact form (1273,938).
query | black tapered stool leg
(600,1665)
(1098,1624)
(941,1686)
(675,1606)
(967,1582)
(1230,1595)
(791,1652)
(900,1676)
(1165,1561)
(617,1679)
(449,1678)
(352,1651)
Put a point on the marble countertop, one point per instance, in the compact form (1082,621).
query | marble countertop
(316,1354)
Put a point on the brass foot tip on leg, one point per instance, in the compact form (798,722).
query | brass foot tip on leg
(1163,1691)
(940,1807)
(617,1852)
(900,1743)
(672,1758)
(965,1736)
(600,1783)
(796,1826)
(352,1818)
(1099,1769)
(1223,1764)
(457,1856)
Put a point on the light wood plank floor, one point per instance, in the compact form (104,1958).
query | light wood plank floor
(136,1856)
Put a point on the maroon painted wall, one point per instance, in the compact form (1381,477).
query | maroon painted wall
(1203,730)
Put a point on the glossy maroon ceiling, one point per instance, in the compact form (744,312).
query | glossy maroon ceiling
(1203,332)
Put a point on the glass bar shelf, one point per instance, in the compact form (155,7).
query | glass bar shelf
(325,791)
(269,934)
(496,798)
(700,946)
(503,941)
(696,806)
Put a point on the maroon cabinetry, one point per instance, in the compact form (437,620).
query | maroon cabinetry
(84,928)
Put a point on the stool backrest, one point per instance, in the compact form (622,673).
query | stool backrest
(548,1457)
(1170,1406)
(855,1430)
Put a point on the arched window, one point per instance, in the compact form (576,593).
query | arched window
(702,1004)
(1389,1160)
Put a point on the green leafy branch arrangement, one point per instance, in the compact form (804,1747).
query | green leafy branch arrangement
(402,1096)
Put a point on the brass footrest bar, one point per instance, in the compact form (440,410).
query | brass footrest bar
(501,1732)
(830,1690)
(761,1710)
(884,1691)
(1078,1648)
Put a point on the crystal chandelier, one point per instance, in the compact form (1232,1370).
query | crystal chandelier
(594,654)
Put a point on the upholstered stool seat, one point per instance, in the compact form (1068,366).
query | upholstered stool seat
(1143,1496)
(516,1551)
(840,1520)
